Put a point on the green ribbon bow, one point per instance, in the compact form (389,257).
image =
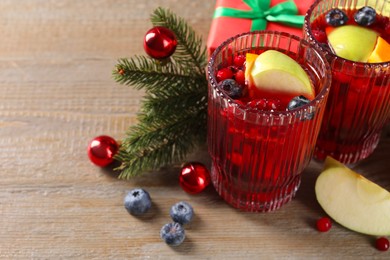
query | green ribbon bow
(285,13)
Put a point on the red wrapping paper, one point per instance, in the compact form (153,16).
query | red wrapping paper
(223,28)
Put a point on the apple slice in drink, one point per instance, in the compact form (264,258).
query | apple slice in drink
(275,72)
(352,200)
(352,42)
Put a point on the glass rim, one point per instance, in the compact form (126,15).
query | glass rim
(307,30)
(313,103)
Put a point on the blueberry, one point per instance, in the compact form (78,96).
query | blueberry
(182,212)
(297,102)
(365,16)
(137,201)
(173,234)
(232,88)
(336,17)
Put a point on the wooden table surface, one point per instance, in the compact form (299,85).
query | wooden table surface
(57,92)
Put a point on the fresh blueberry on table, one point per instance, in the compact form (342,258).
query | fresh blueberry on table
(182,212)
(137,201)
(173,234)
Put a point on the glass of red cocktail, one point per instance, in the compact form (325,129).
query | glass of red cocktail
(259,147)
(355,38)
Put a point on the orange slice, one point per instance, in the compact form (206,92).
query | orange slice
(250,60)
(381,52)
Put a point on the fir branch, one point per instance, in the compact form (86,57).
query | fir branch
(153,146)
(167,107)
(173,115)
(189,52)
(144,73)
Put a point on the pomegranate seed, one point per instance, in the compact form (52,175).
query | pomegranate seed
(382,244)
(240,77)
(223,74)
(239,60)
(324,224)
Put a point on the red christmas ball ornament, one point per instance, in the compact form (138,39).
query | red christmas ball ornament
(194,177)
(160,42)
(102,149)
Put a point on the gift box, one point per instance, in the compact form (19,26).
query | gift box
(232,17)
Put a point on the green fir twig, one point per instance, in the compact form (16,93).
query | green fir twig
(173,114)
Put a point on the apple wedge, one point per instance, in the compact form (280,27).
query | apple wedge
(352,42)
(352,200)
(275,72)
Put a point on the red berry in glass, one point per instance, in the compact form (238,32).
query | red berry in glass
(239,76)
(324,224)
(102,149)
(223,74)
(194,177)
(382,244)
(160,42)
(239,61)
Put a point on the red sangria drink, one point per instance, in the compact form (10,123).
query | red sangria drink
(267,95)
(355,38)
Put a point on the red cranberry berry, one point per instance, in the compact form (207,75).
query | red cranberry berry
(324,224)
(239,60)
(240,77)
(223,74)
(382,244)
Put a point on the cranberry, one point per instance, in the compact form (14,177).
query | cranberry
(239,60)
(240,77)
(382,244)
(225,73)
(324,224)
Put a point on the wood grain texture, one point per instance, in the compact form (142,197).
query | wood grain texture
(56,93)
